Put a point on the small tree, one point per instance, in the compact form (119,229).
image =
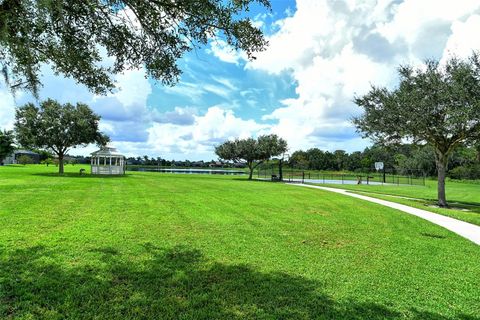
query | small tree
(47,161)
(6,144)
(24,159)
(57,127)
(253,152)
(438,105)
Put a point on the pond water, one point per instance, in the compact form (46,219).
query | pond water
(326,181)
(190,171)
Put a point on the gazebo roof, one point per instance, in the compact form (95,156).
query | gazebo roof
(107,152)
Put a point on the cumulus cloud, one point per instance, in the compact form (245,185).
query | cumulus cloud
(462,41)
(180,116)
(200,137)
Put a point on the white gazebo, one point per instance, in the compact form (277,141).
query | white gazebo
(107,160)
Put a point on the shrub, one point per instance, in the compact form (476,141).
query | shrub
(24,159)
(468,172)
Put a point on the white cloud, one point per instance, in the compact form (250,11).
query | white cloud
(411,16)
(220,49)
(199,138)
(7,109)
(134,88)
(188,89)
(220,91)
(228,83)
(464,37)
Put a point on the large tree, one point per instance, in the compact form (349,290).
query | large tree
(252,151)
(438,105)
(57,127)
(75,36)
(6,144)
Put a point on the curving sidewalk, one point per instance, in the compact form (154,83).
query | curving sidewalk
(464,229)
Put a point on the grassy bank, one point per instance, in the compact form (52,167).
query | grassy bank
(151,245)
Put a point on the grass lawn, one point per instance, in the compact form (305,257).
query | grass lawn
(166,246)
(464,197)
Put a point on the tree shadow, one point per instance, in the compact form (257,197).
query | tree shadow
(78,175)
(254,179)
(173,283)
(471,206)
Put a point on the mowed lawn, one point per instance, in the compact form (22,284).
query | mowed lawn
(463,197)
(166,246)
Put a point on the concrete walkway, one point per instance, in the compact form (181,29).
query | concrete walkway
(467,230)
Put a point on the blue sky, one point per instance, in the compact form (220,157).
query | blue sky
(321,54)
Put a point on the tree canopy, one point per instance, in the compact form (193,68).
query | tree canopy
(75,36)
(252,151)
(57,127)
(6,144)
(438,105)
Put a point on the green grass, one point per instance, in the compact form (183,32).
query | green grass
(166,246)
(464,197)
(468,193)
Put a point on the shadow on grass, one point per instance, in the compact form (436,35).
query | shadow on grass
(254,179)
(473,207)
(77,175)
(174,283)
(453,204)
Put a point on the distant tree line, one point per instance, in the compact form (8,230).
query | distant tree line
(402,159)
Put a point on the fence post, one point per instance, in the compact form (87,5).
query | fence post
(342,178)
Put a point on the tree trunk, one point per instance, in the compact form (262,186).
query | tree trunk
(442,162)
(250,166)
(60,164)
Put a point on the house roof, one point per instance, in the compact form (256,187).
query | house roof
(22,151)
(107,152)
